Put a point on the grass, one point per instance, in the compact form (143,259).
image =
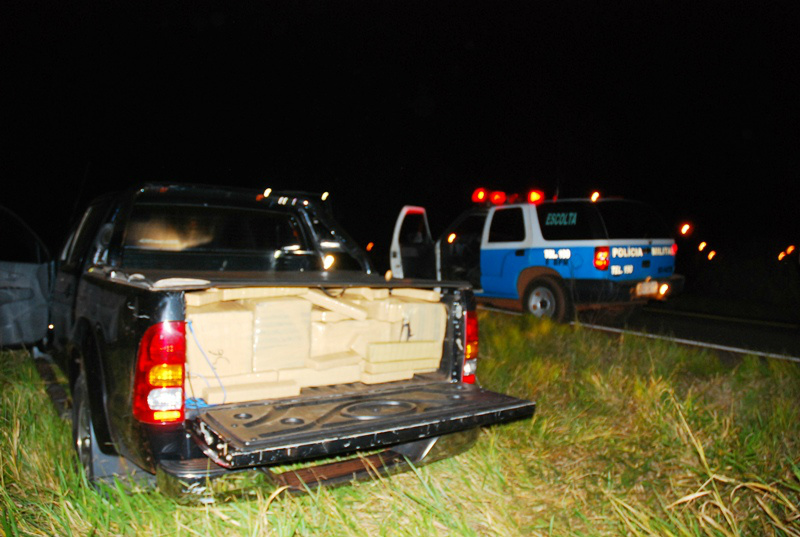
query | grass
(631,437)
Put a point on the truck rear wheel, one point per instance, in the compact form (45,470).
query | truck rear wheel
(95,463)
(545,298)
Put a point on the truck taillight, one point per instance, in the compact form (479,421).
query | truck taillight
(601,257)
(160,371)
(470,348)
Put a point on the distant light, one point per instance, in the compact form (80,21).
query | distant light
(595,196)
(324,196)
(711,255)
(267,192)
(663,289)
(790,249)
(781,256)
(686,229)
(370,246)
(328,261)
(451,238)
(702,246)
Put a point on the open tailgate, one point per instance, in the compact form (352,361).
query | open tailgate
(330,423)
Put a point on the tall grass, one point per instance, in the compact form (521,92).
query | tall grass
(631,437)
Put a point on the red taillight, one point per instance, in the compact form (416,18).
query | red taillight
(160,371)
(470,348)
(674,249)
(601,258)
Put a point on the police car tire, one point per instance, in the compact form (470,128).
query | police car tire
(544,297)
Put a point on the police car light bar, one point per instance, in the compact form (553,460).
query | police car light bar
(535,196)
(498,197)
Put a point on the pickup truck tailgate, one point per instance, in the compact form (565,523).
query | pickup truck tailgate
(330,423)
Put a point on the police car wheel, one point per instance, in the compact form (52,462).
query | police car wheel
(544,298)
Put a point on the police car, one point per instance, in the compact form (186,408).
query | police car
(549,257)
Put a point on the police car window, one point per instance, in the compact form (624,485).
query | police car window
(570,220)
(414,230)
(470,225)
(508,225)
(632,220)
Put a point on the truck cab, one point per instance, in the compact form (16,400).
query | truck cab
(547,257)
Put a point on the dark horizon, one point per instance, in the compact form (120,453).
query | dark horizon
(690,107)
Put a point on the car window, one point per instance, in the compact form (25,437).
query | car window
(215,238)
(631,220)
(414,230)
(568,220)
(508,225)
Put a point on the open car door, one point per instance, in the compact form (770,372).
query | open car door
(25,277)
(412,254)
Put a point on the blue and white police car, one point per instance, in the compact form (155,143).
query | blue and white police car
(549,257)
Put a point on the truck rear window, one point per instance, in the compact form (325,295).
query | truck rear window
(215,238)
(609,219)
(568,220)
(632,220)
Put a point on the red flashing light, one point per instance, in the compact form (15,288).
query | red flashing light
(470,348)
(480,195)
(601,258)
(535,196)
(497,197)
(160,371)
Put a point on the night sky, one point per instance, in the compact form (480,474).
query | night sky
(693,107)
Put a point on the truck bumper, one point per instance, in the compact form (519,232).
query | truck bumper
(182,478)
(599,292)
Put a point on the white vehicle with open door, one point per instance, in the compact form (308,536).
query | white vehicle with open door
(547,257)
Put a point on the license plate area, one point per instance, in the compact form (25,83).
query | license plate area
(297,429)
(647,288)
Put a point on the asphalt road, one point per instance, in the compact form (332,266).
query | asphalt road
(719,328)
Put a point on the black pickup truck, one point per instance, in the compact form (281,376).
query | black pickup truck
(207,330)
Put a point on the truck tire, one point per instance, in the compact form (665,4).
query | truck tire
(95,463)
(545,298)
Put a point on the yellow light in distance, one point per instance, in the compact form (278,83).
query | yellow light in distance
(790,249)
(328,261)
(451,238)
(370,246)
(781,256)
(711,255)
(702,246)
(664,289)
(324,196)
(686,228)
(595,196)
(267,192)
